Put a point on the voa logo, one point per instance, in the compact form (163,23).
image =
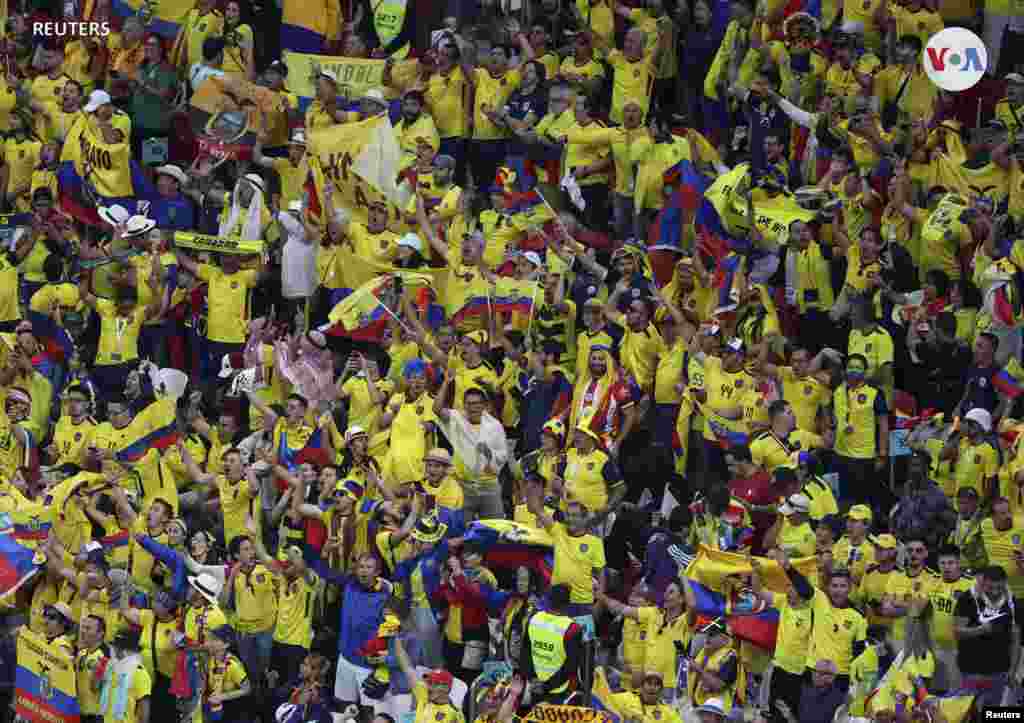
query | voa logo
(955,59)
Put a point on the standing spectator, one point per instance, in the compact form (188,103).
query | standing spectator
(987,635)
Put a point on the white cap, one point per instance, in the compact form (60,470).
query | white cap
(376,95)
(533,258)
(1015,78)
(174,172)
(138,225)
(298,137)
(981,417)
(794,503)
(329,74)
(96,99)
(412,241)
(354,431)
(295,206)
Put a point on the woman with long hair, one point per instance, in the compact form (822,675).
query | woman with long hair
(238,42)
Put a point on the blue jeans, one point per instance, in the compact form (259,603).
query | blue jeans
(254,649)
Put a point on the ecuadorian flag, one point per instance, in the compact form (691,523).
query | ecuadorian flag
(510,545)
(15,561)
(1010,379)
(45,681)
(714,581)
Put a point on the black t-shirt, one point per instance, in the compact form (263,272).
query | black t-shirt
(980,392)
(985,654)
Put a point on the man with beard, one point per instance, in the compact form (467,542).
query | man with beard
(913,581)
(414,128)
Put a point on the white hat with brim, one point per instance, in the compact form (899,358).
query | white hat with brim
(1015,78)
(298,138)
(295,206)
(174,172)
(114,215)
(713,706)
(138,226)
(97,99)
(329,74)
(534,258)
(206,585)
(795,503)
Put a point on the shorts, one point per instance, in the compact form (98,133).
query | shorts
(348,682)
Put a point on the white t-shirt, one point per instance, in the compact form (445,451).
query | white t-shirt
(298,260)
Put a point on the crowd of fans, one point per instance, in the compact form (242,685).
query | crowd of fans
(294,538)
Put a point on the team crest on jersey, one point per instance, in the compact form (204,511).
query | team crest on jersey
(440,716)
(977,459)
(584,547)
(636,73)
(657,714)
(867,348)
(982,382)
(643,634)
(234,284)
(861,398)
(847,624)
(590,466)
(738,384)
(419,410)
(383,243)
(1016,539)
(808,391)
(202,27)
(78,436)
(260,578)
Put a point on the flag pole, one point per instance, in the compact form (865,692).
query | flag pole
(533,303)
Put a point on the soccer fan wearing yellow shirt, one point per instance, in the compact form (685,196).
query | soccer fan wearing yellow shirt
(633,71)
(492,86)
(229,288)
(839,632)
(159,628)
(905,84)
(792,531)
(1002,535)
(90,663)
(120,325)
(641,344)
(254,592)
(73,432)
(726,381)
(870,340)
(873,585)
(202,22)
(227,679)
(792,641)
(589,163)
(291,171)
(129,698)
(431,692)
(945,590)
(579,555)
(977,460)
(862,432)
(912,582)
(414,127)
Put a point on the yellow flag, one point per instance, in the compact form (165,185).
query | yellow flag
(361,161)
(711,567)
(107,166)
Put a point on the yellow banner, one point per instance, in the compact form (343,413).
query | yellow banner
(47,690)
(355,75)
(549,713)
(219,244)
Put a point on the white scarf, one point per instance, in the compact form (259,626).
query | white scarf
(117,686)
(465,438)
(252,230)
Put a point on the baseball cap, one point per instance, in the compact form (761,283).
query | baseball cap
(1015,78)
(861,512)
(97,99)
(412,241)
(794,504)
(981,417)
